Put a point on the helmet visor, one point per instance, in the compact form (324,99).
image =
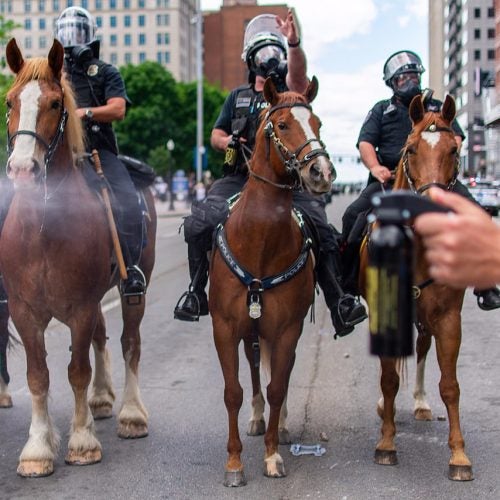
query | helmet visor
(270,55)
(74,31)
(402,62)
(261,30)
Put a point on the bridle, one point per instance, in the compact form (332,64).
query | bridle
(431,128)
(291,159)
(51,147)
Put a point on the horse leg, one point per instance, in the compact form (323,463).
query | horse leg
(227,350)
(385,452)
(422,410)
(37,456)
(281,364)
(83,446)
(103,394)
(133,416)
(257,423)
(447,347)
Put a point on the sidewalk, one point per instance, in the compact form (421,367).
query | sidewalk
(181,208)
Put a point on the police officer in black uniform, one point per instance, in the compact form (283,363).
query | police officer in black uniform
(102,98)
(382,137)
(265,42)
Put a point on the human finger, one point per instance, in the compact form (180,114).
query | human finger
(457,202)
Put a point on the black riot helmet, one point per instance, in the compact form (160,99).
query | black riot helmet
(402,72)
(264,46)
(75,28)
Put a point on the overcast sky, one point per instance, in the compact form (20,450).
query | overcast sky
(346,44)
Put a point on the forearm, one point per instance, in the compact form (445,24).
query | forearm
(296,78)
(219,139)
(113,110)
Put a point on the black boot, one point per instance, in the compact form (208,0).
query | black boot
(131,243)
(488,299)
(135,284)
(346,310)
(194,301)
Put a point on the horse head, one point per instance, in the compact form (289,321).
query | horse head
(430,156)
(41,110)
(293,142)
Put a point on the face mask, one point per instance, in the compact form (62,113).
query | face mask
(407,91)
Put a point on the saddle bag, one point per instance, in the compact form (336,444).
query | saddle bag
(141,173)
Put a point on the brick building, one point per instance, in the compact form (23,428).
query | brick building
(223,40)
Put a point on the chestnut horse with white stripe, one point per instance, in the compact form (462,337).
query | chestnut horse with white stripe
(55,256)
(429,158)
(262,272)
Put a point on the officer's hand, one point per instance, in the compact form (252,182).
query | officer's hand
(288,27)
(381,173)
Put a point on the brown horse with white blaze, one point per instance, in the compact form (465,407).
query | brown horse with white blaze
(55,256)
(429,158)
(260,245)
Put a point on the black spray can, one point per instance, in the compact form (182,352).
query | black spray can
(389,284)
(231,155)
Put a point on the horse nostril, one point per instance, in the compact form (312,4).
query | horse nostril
(315,171)
(36,169)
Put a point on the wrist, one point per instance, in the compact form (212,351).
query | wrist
(294,45)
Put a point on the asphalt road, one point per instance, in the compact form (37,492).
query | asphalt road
(333,394)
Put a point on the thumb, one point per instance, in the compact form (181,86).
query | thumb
(455,201)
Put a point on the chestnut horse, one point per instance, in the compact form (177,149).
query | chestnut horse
(55,256)
(261,245)
(429,158)
(5,397)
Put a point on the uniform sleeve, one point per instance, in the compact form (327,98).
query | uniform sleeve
(370,130)
(114,84)
(223,121)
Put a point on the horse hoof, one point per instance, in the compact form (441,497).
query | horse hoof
(460,473)
(284,436)
(275,470)
(386,457)
(35,468)
(424,415)
(132,430)
(5,401)
(88,457)
(233,479)
(102,411)
(256,427)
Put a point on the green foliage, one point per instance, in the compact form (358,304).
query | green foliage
(5,83)
(161,110)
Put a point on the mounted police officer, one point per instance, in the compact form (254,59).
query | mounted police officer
(380,142)
(102,99)
(271,49)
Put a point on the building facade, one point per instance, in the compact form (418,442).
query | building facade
(223,40)
(131,31)
(468,67)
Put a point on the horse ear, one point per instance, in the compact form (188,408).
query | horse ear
(312,90)
(417,110)
(56,58)
(14,57)
(448,110)
(270,92)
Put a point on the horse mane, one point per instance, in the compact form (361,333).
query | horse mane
(37,68)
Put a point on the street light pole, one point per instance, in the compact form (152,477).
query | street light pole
(199,91)
(170,147)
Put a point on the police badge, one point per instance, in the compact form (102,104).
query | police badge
(92,70)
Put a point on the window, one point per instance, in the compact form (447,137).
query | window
(113,40)
(142,57)
(128,57)
(477,55)
(491,11)
(42,42)
(112,21)
(477,12)
(98,4)
(27,26)
(127,40)
(113,58)
(41,26)
(142,39)
(85,4)
(70,3)
(162,4)
(27,5)
(126,4)
(27,42)
(477,34)
(112,4)
(162,38)
(491,54)
(98,21)
(127,21)
(162,20)
(41,5)
(142,20)
(491,33)
(141,3)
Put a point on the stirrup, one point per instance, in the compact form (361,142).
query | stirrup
(358,318)
(182,315)
(133,297)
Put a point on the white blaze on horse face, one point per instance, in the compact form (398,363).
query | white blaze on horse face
(23,153)
(431,138)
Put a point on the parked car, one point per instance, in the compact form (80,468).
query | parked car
(486,194)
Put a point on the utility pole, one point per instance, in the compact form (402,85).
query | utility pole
(199,91)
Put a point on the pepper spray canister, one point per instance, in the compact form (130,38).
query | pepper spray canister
(389,284)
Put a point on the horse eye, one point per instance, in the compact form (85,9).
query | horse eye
(411,150)
(9,104)
(281,125)
(454,150)
(56,105)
